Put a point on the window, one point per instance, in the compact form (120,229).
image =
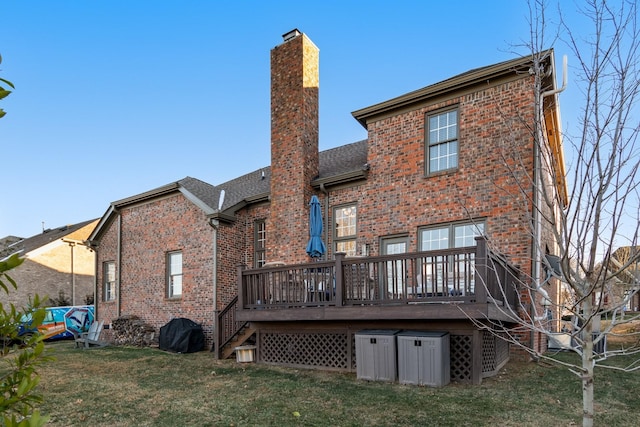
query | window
(396,271)
(344,233)
(452,274)
(174,274)
(457,235)
(260,241)
(109,278)
(442,141)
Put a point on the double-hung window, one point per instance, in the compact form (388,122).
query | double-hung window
(442,141)
(174,274)
(344,231)
(260,243)
(109,279)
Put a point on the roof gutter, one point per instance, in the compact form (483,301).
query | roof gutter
(229,214)
(344,178)
(457,83)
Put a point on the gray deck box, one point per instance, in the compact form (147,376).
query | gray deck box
(376,355)
(423,358)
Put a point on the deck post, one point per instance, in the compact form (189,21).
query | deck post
(482,278)
(240,268)
(476,344)
(339,278)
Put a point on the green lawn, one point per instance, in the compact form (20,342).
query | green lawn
(123,386)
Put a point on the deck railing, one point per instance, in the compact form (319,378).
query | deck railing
(462,275)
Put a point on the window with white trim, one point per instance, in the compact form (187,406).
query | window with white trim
(344,229)
(109,279)
(452,274)
(174,274)
(455,235)
(442,141)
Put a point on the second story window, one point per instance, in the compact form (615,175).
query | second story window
(442,141)
(109,278)
(174,274)
(260,243)
(344,233)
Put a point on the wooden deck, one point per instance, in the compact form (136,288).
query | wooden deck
(449,284)
(307,315)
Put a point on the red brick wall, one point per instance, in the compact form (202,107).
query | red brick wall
(235,247)
(399,198)
(149,231)
(294,146)
(491,183)
(106,252)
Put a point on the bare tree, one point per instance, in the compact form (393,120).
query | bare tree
(601,210)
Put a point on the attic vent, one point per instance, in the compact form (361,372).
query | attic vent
(221,200)
(291,34)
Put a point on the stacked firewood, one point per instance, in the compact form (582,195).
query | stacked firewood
(131,330)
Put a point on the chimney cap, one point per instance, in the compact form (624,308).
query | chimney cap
(291,34)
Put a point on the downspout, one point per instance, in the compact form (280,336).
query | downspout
(90,244)
(95,281)
(325,219)
(119,264)
(537,217)
(214,223)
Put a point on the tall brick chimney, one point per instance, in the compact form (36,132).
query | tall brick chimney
(294,145)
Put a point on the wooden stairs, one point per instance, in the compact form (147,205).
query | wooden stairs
(238,339)
(230,332)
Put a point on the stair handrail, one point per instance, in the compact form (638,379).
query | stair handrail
(227,326)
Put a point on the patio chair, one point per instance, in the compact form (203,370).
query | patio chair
(91,337)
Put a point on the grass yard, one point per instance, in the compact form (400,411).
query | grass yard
(123,386)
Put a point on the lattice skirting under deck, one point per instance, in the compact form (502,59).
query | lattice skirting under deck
(335,350)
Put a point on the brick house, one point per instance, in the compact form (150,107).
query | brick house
(441,166)
(55,261)
(621,290)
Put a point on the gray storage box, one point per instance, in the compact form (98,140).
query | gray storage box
(376,355)
(423,358)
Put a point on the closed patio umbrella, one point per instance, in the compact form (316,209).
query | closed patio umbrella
(315,247)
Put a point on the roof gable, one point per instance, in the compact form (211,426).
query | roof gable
(48,236)
(450,85)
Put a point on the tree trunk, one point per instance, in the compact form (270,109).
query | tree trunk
(587,364)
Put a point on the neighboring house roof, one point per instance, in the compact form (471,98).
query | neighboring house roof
(623,265)
(29,244)
(9,240)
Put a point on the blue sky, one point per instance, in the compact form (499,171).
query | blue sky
(114,98)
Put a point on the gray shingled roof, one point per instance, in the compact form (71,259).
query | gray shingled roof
(47,236)
(332,162)
(343,159)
